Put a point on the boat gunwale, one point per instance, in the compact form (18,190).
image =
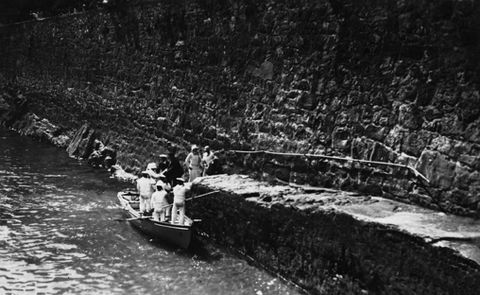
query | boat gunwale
(135,214)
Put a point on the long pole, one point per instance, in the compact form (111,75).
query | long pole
(415,171)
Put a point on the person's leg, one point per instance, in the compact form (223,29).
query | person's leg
(162,214)
(169,200)
(142,205)
(148,205)
(156,215)
(174,213)
(181,217)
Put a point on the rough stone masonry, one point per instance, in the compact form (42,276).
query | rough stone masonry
(388,81)
(366,244)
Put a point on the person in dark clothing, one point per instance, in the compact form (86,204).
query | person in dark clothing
(163,164)
(174,169)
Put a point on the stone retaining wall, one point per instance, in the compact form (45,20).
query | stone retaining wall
(387,81)
(307,237)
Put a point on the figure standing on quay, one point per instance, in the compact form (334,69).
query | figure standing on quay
(194,163)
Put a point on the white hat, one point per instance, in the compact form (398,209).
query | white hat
(152,166)
(163,156)
(194,147)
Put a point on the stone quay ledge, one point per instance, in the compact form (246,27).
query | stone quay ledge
(310,235)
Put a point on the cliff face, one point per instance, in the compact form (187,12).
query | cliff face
(379,80)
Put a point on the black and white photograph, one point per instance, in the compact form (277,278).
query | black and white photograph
(239,147)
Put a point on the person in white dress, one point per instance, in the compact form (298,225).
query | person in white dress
(193,161)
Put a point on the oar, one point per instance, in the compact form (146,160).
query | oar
(202,195)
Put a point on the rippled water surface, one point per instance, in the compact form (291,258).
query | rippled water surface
(59,235)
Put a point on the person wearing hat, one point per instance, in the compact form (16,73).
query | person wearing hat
(194,163)
(145,187)
(159,202)
(209,161)
(178,208)
(152,169)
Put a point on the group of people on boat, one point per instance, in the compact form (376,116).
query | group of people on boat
(158,182)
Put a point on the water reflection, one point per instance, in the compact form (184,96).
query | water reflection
(59,234)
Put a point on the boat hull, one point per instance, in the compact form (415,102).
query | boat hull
(175,234)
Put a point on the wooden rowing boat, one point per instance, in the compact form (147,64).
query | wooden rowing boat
(175,234)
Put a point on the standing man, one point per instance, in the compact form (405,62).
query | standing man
(194,163)
(159,202)
(174,169)
(207,159)
(178,207)
(145,187)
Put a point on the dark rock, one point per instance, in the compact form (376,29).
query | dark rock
(409,116)
(376,132)
(13,109)
(382,153)
(265,71)
(42,129)
(82,143)
(341,139)
(415,142)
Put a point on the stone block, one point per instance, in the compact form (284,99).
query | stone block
(437,168)
(415,142)
(341,139)
(81,145)
(382,153)
(472,132)
(376,132)
(472,161)
(409,116)
(440,143)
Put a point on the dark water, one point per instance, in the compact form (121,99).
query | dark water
(58,235)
